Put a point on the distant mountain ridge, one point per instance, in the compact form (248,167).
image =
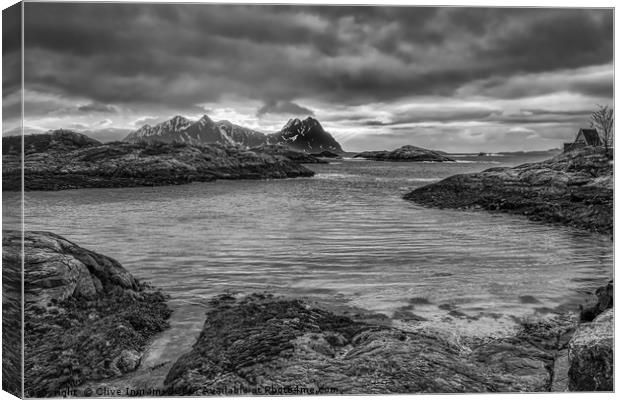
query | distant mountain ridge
(306,135)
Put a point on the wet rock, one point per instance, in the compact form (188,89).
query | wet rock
(574,189)
(268,342)
(119,164)
(590,354)
(602,300)
(405,153)
(406,315)
(560,372)
(86,317)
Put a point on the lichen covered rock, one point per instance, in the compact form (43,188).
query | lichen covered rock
(261,342)
(590,355)
(85,316)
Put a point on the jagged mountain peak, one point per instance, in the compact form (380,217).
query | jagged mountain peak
(179,118)
(307,134)
(295,122)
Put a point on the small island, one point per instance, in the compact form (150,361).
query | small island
(406,153)
(69,160)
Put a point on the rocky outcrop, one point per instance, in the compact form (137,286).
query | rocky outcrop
(590,355)
(590,351)
(602,300)
(59,140)
(574,189)
(405,153)
(12,321)
(85,316)
(120,164)
(266,345)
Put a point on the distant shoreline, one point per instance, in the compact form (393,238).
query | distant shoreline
(574,189)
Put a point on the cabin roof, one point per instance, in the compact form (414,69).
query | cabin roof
(590,135)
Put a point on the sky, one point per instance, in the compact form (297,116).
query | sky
(452,79)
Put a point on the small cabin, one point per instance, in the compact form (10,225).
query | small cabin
(585,137)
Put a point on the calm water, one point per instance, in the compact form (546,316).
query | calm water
(344,235)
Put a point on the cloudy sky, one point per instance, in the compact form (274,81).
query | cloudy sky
(455,79)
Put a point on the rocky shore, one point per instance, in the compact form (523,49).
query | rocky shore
(265,344)
(11,321)
(405,153)
(86,317)
(590,351)
(573,188)
(69,160)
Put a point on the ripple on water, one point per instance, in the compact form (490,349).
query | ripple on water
(344,235)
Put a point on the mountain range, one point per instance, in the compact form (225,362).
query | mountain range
(306,135)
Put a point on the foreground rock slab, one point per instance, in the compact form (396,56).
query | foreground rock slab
(55,165)
(574,189)
(590,351)
(405,153)
(86,317)
(266,344)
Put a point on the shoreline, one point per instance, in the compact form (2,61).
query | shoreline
(355,324)
(573,189)
(117,164)
(85,316)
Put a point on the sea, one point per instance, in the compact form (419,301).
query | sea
(343,236)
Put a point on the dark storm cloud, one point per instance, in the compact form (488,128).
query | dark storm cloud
(11,62)
(186,54)
(283,107)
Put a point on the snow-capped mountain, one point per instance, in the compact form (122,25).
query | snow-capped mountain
(205,130)
(307,135)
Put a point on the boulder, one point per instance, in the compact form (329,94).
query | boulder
(590,354)
(602,300)
(85,317)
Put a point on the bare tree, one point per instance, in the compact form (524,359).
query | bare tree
(603,120)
